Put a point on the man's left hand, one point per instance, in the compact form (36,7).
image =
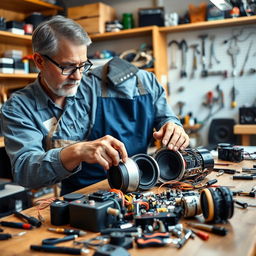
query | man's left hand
(173,136)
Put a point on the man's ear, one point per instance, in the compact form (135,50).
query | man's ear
(39,60)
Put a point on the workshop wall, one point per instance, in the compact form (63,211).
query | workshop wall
(193,91)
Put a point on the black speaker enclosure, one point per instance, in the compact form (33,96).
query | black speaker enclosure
(180,165)
(221,131)
(140,172)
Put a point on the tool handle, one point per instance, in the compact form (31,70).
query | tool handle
(151,242)
(228,171)
(31,220)
(203,235)
(16,225)
(5,236)
(52,241)
(219,231)
(241,177)
(57,249)
(157,235)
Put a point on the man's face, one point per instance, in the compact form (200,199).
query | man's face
(69,56)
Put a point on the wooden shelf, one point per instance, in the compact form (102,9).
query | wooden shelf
(142,31)
(210,24)
(28,6)
(11,38)
(18,76)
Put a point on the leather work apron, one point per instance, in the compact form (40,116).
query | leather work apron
(128,120)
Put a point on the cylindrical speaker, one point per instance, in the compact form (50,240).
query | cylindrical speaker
(139,172)
(181,165)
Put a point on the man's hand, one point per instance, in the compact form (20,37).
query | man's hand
(173,136)
(106,151)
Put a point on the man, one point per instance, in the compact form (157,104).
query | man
(58,126)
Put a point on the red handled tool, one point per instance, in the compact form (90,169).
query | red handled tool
(153,240)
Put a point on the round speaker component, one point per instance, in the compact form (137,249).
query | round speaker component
(139,172)
(191,206)
(171,164)
(217,205)
(73,196)
(193,164)
(149,171)
(125,176)
(207,159)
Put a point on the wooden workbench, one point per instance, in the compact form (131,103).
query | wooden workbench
(240,240)
(245,130)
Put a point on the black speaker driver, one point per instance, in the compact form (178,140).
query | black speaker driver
(171,164)
(149,171)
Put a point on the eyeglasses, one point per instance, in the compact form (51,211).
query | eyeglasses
(69,70)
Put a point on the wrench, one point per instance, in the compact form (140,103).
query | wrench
(184,48)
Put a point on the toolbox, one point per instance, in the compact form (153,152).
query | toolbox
(92,17)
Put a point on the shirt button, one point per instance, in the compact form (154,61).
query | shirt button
(121,79)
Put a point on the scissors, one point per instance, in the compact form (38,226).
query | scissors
(52,241)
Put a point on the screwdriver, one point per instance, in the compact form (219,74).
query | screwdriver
(16,224)
(203,235)
(6,236)
(68,231)
(209,228)
(31,220)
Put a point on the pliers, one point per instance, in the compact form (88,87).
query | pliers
(153,240)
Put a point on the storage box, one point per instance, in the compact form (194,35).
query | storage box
(92,17)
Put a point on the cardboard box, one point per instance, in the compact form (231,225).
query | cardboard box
(92,17)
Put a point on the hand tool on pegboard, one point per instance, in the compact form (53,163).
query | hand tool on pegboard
(194,59)
(246,58)
(203,57)
(184,48)
(173,53)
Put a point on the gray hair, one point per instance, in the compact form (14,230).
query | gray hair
(46,37)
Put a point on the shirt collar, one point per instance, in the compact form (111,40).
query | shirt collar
(119,71)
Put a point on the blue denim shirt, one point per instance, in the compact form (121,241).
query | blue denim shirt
(27,115)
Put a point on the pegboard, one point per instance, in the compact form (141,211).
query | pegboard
(195,90)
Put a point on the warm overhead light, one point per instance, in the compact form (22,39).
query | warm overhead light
(223,5)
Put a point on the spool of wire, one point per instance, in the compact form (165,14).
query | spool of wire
(217,205)
(191,206)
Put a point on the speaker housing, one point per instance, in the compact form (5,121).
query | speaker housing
(221,131)
(193,164)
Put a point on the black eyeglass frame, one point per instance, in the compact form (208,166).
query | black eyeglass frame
(87,65)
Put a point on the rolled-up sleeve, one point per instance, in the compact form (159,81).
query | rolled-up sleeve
(32,166)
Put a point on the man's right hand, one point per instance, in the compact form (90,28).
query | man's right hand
(105,151)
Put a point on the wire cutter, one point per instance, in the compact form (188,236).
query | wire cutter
(52,241)
(153,240)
